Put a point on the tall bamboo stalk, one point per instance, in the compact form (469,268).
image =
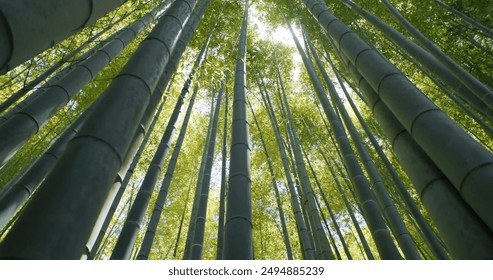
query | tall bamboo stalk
(477,87)
(331,213)
(387,205)
(128,235)
(484,30)
(285,234)
(66,58)
(29,27)
(21,126)
(370,208)
(320,238)
(430,237)
(426,59)
(223,190)
(464,233)
(150,233)
(83,177)
(307,249)
(196,198)
(198,239)
(238,243)
(99,233)
(348,205)
(22,189)
(466,167)
(182,219)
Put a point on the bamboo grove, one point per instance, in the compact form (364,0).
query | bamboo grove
(246,129)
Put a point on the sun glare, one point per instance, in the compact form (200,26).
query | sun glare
(277,35)
(280,34)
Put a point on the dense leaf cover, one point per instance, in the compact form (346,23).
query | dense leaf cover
(328,212)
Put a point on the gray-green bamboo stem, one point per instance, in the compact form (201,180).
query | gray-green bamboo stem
(476,86)
(98,149)
(22,125)
(67,57)
(426,59)
(126,179)
(464,233)
(349,208)
(430,237)
(198,239)
(150,233)
(223,190)
(387,206)
(287,243)
(331,213)
(238,243)
(29,27)
(129,232)
(196,198)
(308,251)
(20,191)
(365,196)
(320,238)
(182,219)
(466,167)
(484,30)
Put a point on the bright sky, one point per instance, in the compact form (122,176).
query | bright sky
(280,34)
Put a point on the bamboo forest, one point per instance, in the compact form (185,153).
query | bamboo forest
(246,129)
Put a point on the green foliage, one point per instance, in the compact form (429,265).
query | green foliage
(223,19)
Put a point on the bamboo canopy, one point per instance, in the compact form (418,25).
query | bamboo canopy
(313,129)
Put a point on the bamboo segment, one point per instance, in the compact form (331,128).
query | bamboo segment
(238,242)
(27,27)
(21,126)
(465,162)
(464,233)
(198,238)
(307,248)
(148,239)
(82,179)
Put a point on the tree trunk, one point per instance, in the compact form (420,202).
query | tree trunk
(223,191)
(238,243)
(464,233)
(466,167)
(148,239)
(387,206)
(308,251)
(365,196)
(28,27)
(81,180)
(17,130)
(285,234)
(484,30)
